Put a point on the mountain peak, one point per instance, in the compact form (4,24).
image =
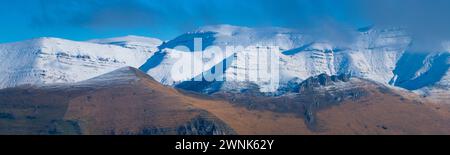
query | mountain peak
(35,42)
(323,80)
(51,40)
(122,75)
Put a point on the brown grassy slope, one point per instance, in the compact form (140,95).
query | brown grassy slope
(163,106)
(382,113)
(253,122)
(31,110)
(132,104)
(381,110)
(143,106)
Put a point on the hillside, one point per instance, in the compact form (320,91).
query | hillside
(127,101)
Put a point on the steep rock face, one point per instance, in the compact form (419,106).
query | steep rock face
(202,126)
(199,125)
(322,80)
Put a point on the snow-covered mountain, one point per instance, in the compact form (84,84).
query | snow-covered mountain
(374,55)
(377,54)
(220,36)
(53,60)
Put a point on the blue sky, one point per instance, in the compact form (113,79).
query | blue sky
(165,19)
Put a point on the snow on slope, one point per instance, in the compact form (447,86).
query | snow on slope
(53,60)
(373,55)
(170,70)
(222,36)
(132,42)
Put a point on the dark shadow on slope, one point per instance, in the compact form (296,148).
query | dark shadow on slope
(183,40)
(153,61)
(410,63)
(308,47)
(187,40)
(297,50)
(204,86)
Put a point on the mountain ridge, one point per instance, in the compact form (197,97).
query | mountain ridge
(54,60)
(381,55)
